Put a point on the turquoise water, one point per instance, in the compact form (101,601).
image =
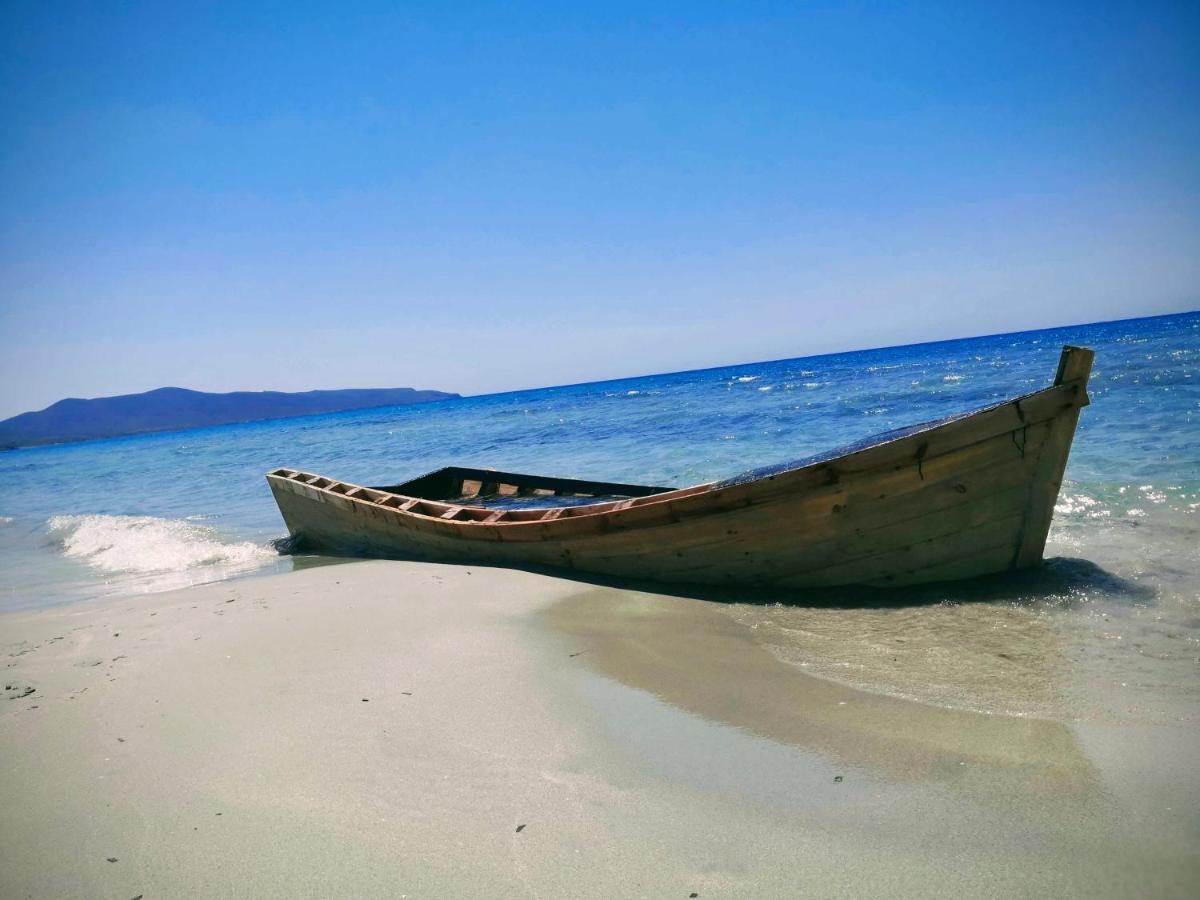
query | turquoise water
(158,511)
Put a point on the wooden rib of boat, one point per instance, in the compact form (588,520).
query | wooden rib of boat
(966,496)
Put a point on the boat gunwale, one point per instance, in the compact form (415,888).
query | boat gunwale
(443,515)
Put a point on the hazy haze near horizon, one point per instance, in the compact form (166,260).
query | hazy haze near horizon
(487,199)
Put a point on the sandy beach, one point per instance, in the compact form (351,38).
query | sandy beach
(693,451)
(384,729)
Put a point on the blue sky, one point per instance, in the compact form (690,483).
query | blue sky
(483,197)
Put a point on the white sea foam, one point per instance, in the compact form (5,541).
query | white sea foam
(4,520)
(145,545)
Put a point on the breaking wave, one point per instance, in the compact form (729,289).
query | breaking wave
(150,546)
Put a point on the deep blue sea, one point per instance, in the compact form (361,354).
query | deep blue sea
(153,512)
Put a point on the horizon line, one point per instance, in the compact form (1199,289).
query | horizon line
(455,395)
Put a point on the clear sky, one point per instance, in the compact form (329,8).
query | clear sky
(483,197)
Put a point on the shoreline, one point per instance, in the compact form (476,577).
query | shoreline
(383,728)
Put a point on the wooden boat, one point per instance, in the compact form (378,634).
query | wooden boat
(965,496)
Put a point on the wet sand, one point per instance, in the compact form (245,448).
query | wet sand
(382,729)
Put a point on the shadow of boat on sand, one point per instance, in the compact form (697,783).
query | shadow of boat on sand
(1060,581)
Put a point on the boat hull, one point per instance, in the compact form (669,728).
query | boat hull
(967,497)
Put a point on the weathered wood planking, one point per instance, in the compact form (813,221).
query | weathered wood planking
(969,496)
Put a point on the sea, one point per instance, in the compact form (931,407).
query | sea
(1119,596)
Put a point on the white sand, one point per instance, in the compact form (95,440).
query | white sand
(215,742)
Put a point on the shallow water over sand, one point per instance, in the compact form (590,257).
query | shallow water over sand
(1071,641)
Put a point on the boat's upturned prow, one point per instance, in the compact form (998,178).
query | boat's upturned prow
(967,496)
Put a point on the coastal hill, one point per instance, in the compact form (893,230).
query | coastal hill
(172,408)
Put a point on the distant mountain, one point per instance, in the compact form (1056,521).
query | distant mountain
(171,408)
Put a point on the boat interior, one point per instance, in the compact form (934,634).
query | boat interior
(511,490)
(488,495)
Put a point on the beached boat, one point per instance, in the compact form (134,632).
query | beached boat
(969,495)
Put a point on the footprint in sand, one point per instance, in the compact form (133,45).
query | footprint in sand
(15,690)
